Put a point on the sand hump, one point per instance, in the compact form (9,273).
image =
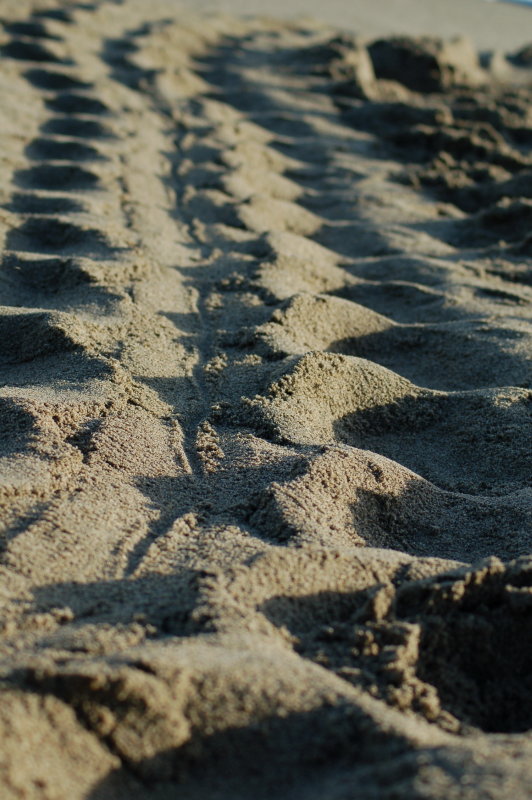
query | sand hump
(265,410)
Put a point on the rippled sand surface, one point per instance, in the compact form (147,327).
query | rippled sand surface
(265,410)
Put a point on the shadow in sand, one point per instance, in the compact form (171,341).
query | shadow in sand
(23,50)
(473,646)
(164,602)
(54,81)
(416,518)
(46,149)
(173,497)
(56,177)
(295,754)
(30,203)
(18,427)
(426,522)
(115,54)
(34,30)
(448,358)
(441,436)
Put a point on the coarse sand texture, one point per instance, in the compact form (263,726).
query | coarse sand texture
(265,409)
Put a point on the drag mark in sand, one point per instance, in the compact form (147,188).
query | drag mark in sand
(265,411)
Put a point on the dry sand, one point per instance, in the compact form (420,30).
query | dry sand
(265,410)
(497,25)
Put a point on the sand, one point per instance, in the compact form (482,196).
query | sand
(265,408)
(490,24)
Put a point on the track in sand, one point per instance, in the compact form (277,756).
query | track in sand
(265,412)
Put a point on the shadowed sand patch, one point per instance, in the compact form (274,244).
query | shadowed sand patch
(348,497)
(53,80)
(452,355)
(209,679)
(322,398)
(419,643)
(48,149)
(40,234)
(26,336)
(56,176)
(24,50)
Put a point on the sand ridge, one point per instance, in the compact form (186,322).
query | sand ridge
(265,410)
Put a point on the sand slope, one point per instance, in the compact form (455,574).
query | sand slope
(265,411)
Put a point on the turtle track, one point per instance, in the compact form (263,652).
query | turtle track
(265,411)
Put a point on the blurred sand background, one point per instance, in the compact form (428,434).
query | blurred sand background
(491,25)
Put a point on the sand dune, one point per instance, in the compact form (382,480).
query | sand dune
(265,339)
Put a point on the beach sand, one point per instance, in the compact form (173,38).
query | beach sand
(265,407)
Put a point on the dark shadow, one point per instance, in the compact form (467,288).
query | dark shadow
(77,128)
(356,237)
(34,30)
(24,519)
(403,301)
(285,755)
(94,6)
(510,299)
(407,514)
(429,523)
(165,602)
(415,132)
(24,337)
(475,645)
(211,213)
(387,118)
(514,268)
(54,81)
(337,207)
(38,204)
(72,103)
(410,298)
(440,438)
(313,155)
(307,614)
(57,236)
(176,391)
(474,648)
(43,149)
(173,496)
(115,53)
(296,137)
(508,222)
(69,370)
(450,357)
(419,270)
(56,177)
(22,50)
(18,427)
(461,151)
(31,284)
(50,275)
